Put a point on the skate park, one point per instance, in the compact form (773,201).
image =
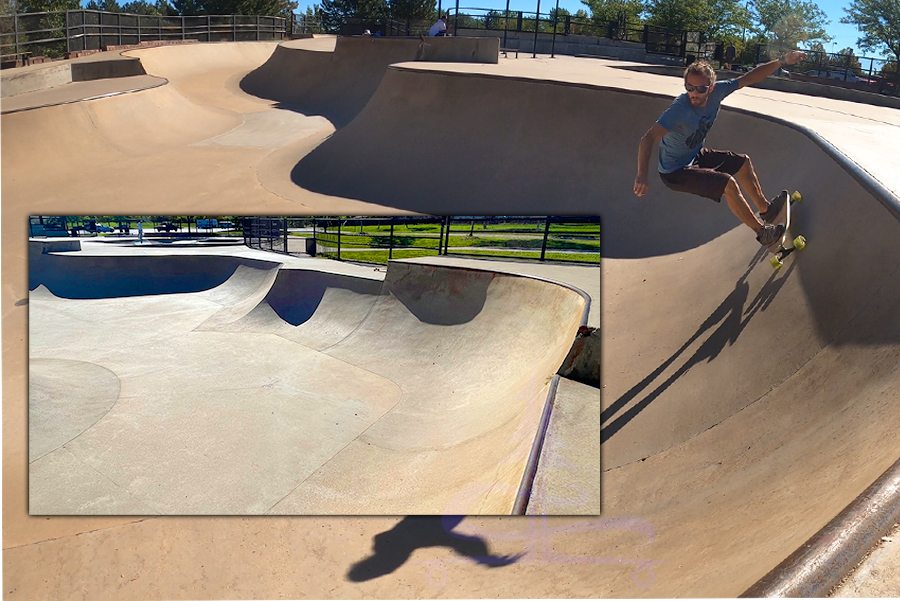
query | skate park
(743,408)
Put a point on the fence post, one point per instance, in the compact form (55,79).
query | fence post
(546,235)
(555,21)
(505,29)
(339,238)
(286,249)
(537,21)
(391,242)
(447,242)
(16,32)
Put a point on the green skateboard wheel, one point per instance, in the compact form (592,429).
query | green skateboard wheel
(776,262)
(796,197)
(799,242)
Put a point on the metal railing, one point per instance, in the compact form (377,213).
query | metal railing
(380,239)
(53,34)
(656,40)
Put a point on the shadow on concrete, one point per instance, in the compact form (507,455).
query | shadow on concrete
(82,277)
(440,300)
(393,548)
(726,323)
(296,294)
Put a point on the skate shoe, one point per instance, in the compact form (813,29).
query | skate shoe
(776,207)
(770,234)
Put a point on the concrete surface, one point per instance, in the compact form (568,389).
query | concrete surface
(742,409)
(195,383)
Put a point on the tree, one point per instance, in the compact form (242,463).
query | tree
(622,11)
(690,15)
(879,23)
(110,6)
(788,23)
(37,6)
(336,12)
(402,10)
(730,21)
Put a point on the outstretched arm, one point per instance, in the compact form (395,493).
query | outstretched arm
(764,70)
(653,135)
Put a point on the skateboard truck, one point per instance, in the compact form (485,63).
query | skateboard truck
(798,243)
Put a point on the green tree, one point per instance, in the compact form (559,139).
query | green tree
(789,23)
(691,15)
(336,12)
(878,22)
(623,11)
(311,20)
(730,21)
(37,6)
(110,6)
(412,9)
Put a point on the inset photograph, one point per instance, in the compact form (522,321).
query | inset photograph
(235,365)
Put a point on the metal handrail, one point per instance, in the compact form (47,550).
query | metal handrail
(77,27)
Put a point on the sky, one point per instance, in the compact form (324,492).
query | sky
(845,36)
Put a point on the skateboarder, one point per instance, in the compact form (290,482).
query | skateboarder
(685,165)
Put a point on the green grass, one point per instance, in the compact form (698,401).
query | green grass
(357,241)
(464,228)
(381,256)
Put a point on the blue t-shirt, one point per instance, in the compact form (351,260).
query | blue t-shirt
(688,125)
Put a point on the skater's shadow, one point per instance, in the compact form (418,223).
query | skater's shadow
(393,548)
(727,322)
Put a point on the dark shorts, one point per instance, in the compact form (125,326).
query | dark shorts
(709,174)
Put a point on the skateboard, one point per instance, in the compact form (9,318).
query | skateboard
(779,248)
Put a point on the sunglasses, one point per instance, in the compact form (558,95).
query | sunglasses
(698,89)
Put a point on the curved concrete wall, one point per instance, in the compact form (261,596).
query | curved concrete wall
(337,84)
(723,379)
(435,380)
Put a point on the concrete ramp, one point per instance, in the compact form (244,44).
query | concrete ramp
(285,391)
(742,408)
(336,77)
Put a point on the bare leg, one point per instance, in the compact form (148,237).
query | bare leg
(738,205)
(750,183)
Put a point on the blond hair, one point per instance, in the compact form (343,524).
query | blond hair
(701,68)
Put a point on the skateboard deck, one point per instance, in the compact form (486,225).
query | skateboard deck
(780,247)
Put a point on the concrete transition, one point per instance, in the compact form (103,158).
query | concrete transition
(218,385)
(742,408)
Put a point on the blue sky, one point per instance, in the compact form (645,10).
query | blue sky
(845,36)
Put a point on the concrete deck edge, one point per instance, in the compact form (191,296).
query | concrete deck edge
(823,561)
(129,90)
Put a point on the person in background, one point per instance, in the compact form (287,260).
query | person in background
(439,28)
(729,55)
